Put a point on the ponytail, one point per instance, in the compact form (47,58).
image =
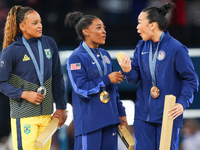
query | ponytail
(15,16)
(11,29)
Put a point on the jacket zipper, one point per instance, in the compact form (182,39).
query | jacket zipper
(41,108)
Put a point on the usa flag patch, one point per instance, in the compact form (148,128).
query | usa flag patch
(76,66)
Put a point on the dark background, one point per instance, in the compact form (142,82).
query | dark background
(119,17)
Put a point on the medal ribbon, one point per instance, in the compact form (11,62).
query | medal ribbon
(96,61)
(40,72)
(152,62)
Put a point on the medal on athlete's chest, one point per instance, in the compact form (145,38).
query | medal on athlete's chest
(155,92)
(42,90)
(104,97)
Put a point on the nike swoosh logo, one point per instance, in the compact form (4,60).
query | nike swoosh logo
(144,53)
(114,133)
(93,63)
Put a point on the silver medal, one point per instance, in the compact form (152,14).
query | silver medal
(42,90)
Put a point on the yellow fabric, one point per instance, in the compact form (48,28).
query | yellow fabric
(31,128)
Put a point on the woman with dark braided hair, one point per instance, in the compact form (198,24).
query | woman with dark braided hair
(96,104)
(31,76)
(163,67)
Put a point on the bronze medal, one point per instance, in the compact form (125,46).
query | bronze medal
(104,97)
(155,92)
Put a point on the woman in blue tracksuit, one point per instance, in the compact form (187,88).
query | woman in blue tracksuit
(96,105)
(31,76)
(163,67)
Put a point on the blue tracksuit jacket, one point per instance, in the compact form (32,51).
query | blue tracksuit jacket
(90,113)
(175,75)
(18,74)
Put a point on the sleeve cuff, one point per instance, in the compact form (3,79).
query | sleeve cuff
(184,103)
(128,74)
(122,112)
(106,80)
(62,105)
(19,94)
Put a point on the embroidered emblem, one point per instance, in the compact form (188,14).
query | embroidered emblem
(26,58)
(76,66)
(107,59)
(48,53)
(3,64)
(27,129)
(161,55)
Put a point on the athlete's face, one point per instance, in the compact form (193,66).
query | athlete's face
(31,26)
(95,34)
(144,27)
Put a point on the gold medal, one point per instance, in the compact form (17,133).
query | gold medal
(155,92)
(104,97)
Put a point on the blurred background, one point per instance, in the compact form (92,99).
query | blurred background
(120,19)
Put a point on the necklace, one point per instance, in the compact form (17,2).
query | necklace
(97,53)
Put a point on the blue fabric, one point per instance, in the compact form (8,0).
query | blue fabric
(102,139)
(152,59)
(90,113)
(19,136)
(175,75)
(148,136)
(39,71)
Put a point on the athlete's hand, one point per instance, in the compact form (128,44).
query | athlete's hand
(175,111)
(123,121)
(125,64)
(33,97)
(61,115)
(116,77)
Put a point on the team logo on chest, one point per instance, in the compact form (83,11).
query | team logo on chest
(107,59)
(26,58)
(161,55)
(27,129)
(48,53)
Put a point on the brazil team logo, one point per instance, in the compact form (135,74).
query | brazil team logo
(27,129)
(48,53)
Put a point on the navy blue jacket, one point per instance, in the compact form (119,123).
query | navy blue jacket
(18,74)
(175,75)
(90,113)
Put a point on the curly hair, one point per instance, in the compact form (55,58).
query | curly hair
(15,16)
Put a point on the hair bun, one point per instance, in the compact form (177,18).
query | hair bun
(165,8)
(73,18)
